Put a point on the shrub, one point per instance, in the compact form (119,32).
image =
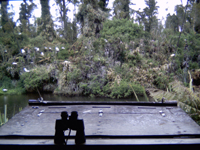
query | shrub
(35,78)
(125,89)
(74,76)
(123,28)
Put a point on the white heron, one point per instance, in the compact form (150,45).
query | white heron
(5,90)
(22,51)
(26,70)
(37,49)
(42,54)
(57,49)
(172,55)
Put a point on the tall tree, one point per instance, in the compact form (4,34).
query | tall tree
(63,9)
(172,22)
(47,23)
(179,9)
(4,14)
(103,4)
(121,9)
(90,16)
(74,23)
(197,13)
(25,14)
(150,11)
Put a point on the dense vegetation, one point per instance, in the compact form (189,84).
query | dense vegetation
(96,56)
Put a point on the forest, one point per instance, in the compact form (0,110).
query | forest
(97,55)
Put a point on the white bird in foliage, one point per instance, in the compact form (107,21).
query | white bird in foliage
(22,51)
(26,70)
(172,55)
(5,90)
(63,48)
(42,53)
(57,49)
(37,49)
(14,63)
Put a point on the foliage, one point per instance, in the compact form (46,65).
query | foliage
(91,16)
(162,82)
(36,78)
(13,87)
(125,89)
(121,9)
(122,28)
(148,16)
(74,76)
(190,103)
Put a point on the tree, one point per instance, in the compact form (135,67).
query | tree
(4,13)
(103,4)
(118,32)
(121,9)
(25,14)
(6,18)
(179,9)
(150,21)
(197,14)
(172,22)
(47,23)
(74,23)
(63,9)
(91,16)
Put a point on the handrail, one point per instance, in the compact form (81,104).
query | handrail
(133,103)
(178,136)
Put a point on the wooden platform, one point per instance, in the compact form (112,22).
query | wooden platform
(122,124)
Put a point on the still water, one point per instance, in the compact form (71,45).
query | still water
(12,104)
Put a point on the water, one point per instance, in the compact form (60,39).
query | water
(12,104)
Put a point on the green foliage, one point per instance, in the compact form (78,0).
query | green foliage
(13,87)
(37,41)
(121,9)
(124,90)
(35,78)
(162,81)
(122,28)
(6,83)
(134,59)
(74,76)
(64,53)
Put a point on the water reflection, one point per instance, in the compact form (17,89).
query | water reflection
(3,116)
(12,104)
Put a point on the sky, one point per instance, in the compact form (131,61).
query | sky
(139,4)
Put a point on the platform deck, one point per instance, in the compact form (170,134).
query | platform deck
(119,124)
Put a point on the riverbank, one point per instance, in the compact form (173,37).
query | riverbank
(188,100)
